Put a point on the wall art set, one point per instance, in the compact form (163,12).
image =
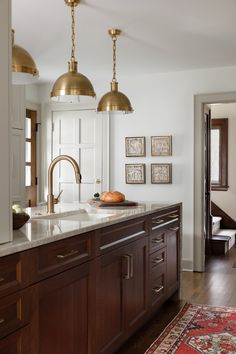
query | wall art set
(161,173)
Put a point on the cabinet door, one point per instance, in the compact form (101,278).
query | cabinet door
(62,313)
(16,343)
(109,328)
(136,296)
(173,266)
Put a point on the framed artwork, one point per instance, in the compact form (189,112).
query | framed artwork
(135,146)
(135,173)
(161,173)
(161,145)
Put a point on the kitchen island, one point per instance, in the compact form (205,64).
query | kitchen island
(84,280)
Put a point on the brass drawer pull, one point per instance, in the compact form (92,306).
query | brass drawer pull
(2,320)
(66,255)
(157,260)
(158,221)
(157,240)
(1,279)
(158,289)
(173,216)
(174,228)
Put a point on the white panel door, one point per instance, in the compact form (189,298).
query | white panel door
(77,133)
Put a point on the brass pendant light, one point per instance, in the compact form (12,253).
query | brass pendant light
(114,101)
(69,86)
(24,70)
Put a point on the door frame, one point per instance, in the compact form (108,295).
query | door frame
(199,171)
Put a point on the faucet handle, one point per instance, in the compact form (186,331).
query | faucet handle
(56,199)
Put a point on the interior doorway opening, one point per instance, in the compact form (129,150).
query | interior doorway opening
(202,184)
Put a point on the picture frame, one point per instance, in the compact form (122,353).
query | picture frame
(135,146)
(135,173)
(161,145)
(161,173)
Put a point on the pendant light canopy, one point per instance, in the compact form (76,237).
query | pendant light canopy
(114,101)
(24,70)
(69,86)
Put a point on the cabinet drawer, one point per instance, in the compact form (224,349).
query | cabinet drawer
(14,312)
(164,218)
(157,288)
(119,234)
(14,272)
(158,238)
(158,261)
(61,255)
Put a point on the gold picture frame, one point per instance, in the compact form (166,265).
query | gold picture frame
(161,173)
(135,173)
(135,146)
(161,145)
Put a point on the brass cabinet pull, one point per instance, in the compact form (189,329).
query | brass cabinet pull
(158,221)
(2,320)
(173,216)
(157,240)
(174,228)
(66,255)
(158,289)
(131,265)
(157,260)
(2,279)
(127,259)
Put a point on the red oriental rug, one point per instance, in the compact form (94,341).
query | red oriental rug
(199,329)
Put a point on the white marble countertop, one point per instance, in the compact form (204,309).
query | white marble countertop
(43,228)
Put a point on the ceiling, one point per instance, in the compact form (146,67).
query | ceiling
(158,35)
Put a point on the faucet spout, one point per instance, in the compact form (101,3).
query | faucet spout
(50,197)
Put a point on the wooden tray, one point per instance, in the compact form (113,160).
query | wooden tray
(99,204)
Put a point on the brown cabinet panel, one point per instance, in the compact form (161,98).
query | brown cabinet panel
(62,313)
(117,235)
(173,261)
(136,296)
(59,256)
(111,273)
(14,312)
(14,272)
(16,343)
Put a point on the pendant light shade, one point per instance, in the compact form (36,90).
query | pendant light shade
(69,86)
(114,100)
(24,70)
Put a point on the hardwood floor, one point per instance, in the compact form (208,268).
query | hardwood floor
(217,286)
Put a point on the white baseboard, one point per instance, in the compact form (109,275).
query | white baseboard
(187,265)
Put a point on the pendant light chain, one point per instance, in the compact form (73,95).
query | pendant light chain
(73,32)
(114,58)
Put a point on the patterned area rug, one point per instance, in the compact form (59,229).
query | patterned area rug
(199,329)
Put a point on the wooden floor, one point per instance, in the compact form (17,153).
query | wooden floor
(217,286)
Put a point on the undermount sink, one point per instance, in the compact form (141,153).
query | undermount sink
(79,215)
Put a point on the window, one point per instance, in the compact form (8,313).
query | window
(30,158)
(219,154)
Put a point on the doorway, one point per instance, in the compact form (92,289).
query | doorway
(200,163)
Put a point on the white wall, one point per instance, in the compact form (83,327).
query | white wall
(163,104)
(226,199)
(5,215)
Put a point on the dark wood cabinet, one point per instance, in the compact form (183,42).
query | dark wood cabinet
(87,294)
(16,343)
(61,313)
(121,294)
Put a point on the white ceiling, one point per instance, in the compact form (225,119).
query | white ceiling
(158,35)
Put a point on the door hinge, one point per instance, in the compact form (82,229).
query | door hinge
(36,181)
